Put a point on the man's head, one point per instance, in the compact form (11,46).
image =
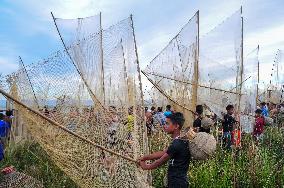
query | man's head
(174,122)
(153,108)
(168,107)
(262,104)
(1,116)
(258,112)
(9,113)
(160,109)
(230,109)
(199,109)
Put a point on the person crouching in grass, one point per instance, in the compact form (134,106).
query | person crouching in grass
(177,154)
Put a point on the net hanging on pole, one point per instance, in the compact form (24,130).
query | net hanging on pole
(59,89)
(111,71)
(176,62)
(220,64)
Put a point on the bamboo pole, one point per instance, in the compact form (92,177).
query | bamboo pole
(190,83)
(144,130)
(257,86)
(25,70)
(54,123)
(102,59)
(242,59)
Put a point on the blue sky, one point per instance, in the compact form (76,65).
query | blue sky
(27,29)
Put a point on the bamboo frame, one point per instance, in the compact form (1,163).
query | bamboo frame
(54,123)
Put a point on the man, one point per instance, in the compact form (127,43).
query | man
(264,109)
(177,154)
(228,126)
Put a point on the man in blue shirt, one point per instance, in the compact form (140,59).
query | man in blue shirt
(4,127)
(4,131)
(264,109)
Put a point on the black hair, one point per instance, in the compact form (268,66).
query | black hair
(160,109)
(1,116)
(263,103)
(168,107)
(177,118)
(146,108)
(153,108)
(258,111)
(199,109)
(9,113)
(229,107)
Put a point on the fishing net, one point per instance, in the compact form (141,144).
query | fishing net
(111,56)
(220,64)
(172,70)
(154,97)
(82,39)
(249,90)
(64,95)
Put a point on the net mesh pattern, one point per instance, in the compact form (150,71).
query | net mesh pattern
(67,94)
(276,85)
(220,64)
(174,65)
(249,90)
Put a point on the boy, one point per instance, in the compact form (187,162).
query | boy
(228,126)
(177,154)
(197,122)
(259,125)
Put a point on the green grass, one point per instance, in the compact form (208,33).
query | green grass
(251,166)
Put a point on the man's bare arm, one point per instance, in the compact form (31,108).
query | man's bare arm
(153,156)
(156,163)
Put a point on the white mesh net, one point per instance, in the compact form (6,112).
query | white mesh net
(276,87)
(220,64)
(67,94)
(172,70)
(249,90)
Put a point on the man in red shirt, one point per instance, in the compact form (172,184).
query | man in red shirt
(259,125)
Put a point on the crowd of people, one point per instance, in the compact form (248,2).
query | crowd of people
(177,154)
(171,122)
(228,125)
